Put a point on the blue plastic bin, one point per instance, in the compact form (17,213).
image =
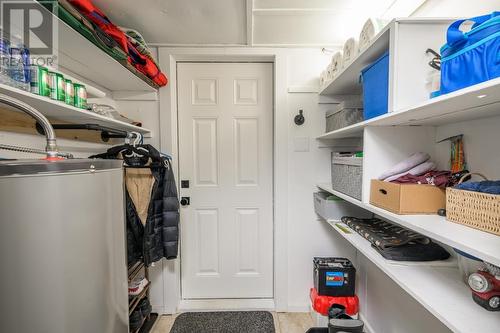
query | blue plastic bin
(375,79)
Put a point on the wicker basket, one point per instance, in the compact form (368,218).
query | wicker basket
(347,175)
(346,113)
(473,209)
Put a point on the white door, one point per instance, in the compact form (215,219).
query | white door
(226,154)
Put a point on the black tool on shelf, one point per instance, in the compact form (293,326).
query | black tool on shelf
(106,132)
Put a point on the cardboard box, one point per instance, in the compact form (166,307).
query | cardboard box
(407,198)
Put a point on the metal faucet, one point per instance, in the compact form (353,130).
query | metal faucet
(50,135)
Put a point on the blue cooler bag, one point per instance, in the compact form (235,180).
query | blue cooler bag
(471,57)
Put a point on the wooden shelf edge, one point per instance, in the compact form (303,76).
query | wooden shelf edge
(57,110)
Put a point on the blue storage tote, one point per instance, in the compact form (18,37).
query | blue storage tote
(375,79)
(472,57)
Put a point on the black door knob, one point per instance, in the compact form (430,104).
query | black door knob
(185,201)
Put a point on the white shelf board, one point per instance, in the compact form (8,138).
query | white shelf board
(439,289)
(347,81)
(79,55)
(479,101)
(56,110)
(352,131)
(475,242)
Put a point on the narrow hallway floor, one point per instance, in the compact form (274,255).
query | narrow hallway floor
(284,322)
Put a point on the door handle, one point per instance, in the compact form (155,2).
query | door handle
(185,201)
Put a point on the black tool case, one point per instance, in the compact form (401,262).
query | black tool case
(334,277)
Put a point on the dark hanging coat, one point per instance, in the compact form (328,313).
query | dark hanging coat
(158,237)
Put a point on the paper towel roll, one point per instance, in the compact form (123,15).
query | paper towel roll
(370,29)
(349,52)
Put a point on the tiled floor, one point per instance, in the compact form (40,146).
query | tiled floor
(289,322)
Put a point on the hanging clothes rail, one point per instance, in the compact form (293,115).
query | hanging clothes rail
(106,132)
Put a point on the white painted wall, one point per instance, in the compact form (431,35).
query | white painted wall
(456,8)
(307,235)
(481,139)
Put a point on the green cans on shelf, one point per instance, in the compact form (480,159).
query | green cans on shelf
(69,91)
(57,86)
(52,85)
(39,80)
(80,96)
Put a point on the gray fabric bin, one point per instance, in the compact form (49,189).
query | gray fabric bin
(345,114)
(335,209)
(347,175)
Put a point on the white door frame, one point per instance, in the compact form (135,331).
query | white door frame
(171,277)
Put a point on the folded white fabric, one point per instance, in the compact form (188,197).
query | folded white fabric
(405,165)
(350,51)
(370,29)
(329,73)
(336,64)
(322,79)
(416,171)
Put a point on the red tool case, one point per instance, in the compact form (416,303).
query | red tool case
(321,304)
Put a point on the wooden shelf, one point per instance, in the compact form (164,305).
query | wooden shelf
(439,289)
(475,242)
(135,270)
(475,102)
(59,111)
(80,56)
(134,301)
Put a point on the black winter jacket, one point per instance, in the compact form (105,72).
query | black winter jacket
(159,236)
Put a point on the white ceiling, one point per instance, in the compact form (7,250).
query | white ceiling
(274,22)
(181,21)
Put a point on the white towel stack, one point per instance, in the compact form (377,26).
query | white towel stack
(322,79)
(335,65)
(350,51)
(370,29)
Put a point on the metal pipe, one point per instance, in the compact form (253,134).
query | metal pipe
(50,135)
(32,150)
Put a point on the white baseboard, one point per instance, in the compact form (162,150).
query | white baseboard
(160,310)
(299,308)
(368,327)
(226,305)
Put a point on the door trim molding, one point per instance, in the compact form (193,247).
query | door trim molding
(186,305)
(168,58)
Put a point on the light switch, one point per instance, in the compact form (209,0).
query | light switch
(301,144)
